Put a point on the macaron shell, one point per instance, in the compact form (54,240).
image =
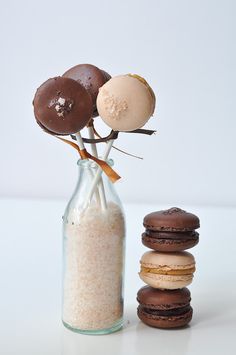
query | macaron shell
(156,299)
(106,75)
(173,219)
(170,261)
(164,322)
(125,103)
(54,94)
(168,282)
(91,78)
(168,245)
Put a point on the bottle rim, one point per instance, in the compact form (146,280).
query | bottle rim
(86,163)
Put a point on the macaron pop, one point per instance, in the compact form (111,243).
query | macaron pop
(62,106)
(126,102)
(91,78)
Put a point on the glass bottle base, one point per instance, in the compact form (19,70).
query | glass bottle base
(117,326)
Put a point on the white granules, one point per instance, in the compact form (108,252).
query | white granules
(93,268)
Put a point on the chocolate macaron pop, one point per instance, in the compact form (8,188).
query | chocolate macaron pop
(62,106)
(91,78)
(126,102)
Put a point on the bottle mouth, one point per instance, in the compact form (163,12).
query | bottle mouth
(86,163)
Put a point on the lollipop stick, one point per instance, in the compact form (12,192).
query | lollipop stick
(101,191)
(98,173)
(79,140)
(81,146)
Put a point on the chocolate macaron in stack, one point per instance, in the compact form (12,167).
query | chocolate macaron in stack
(168,268)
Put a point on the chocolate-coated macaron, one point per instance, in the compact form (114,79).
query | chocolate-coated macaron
(164,308)
(170,230)
(91,78)
(62,106)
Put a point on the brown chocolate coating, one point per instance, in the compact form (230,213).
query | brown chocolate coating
(91,78)
(164,308)
(46,130)
(154,298)
(106,75)
(169,241)
(165,322)
(173,219)
(62,106)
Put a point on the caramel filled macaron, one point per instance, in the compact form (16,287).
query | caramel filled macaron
(62,106)
(126,102)
(167,270)
(91,78)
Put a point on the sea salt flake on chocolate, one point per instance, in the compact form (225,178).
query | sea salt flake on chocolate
(61,101)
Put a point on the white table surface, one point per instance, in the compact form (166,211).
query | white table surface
(30,294)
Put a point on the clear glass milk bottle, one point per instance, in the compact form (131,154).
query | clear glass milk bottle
(93,257)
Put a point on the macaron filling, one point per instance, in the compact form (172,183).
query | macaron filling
(164,271)
(192,235)
(167,312)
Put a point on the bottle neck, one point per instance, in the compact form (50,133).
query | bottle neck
(94,187)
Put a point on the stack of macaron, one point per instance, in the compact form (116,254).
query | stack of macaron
(168,268)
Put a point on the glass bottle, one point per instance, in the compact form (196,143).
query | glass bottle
(93,256)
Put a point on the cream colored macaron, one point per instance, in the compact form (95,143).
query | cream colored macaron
(126,102)
(167,270)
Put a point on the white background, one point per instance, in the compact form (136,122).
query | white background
(185,49)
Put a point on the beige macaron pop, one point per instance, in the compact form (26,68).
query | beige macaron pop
(167,270)
(126,102)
